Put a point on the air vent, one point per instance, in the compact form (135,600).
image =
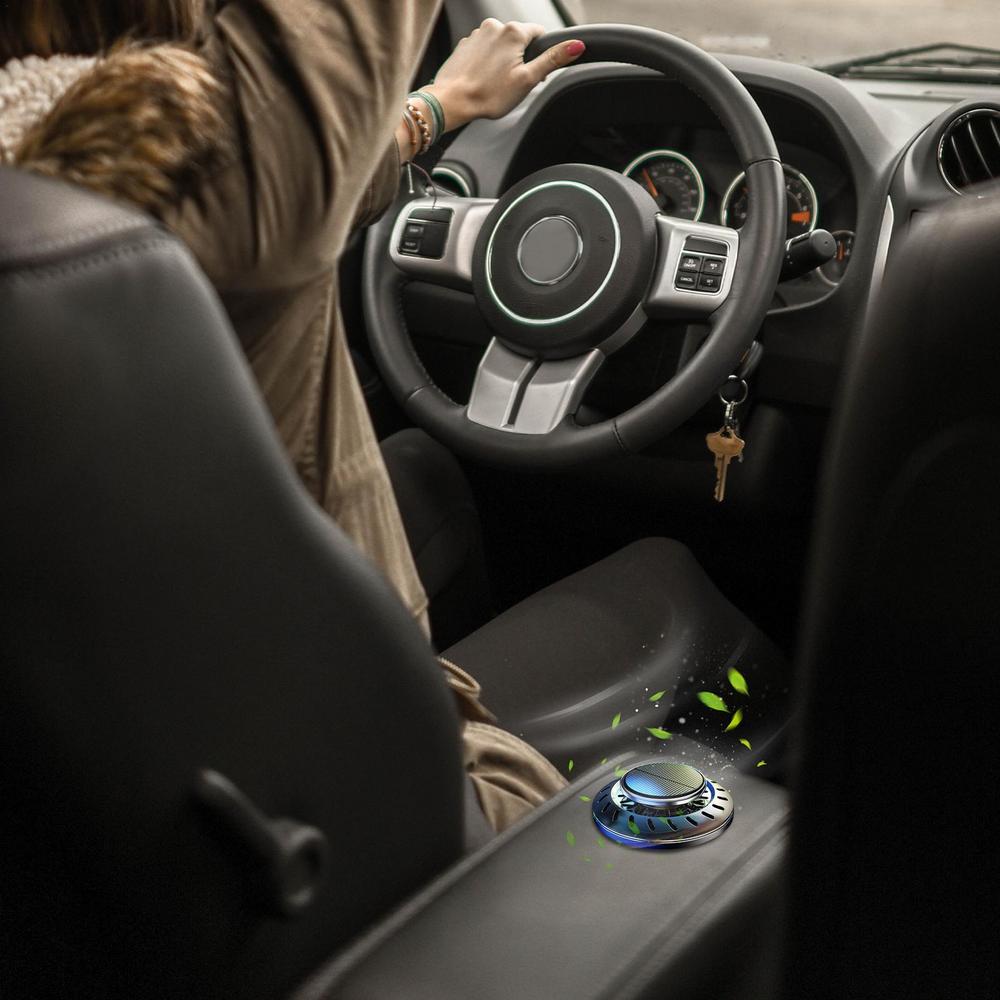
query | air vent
(969,151)
(451,181)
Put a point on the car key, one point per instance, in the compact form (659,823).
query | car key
(725,445)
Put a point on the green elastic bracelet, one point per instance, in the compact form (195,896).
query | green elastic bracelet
(435,105)
(436,111)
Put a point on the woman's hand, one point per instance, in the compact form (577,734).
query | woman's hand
(486,76)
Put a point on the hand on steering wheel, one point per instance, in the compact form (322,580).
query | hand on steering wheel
(487,76)
(567,266)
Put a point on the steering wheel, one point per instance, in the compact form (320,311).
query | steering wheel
(567,266)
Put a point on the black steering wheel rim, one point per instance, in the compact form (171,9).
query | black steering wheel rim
(732,327)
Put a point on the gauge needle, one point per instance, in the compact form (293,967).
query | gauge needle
(802,217)
(649,183)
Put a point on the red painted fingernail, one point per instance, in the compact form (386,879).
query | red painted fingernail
(575,48)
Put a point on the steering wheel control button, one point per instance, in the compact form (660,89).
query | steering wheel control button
(426,233)
(700,274)
(662,804)
(696,244)
(432,214)
(549,250)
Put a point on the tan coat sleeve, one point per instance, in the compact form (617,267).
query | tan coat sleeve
(314,86)
(381,189)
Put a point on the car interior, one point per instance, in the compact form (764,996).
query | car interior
(228,762)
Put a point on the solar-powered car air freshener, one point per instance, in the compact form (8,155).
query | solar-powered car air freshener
(659,804)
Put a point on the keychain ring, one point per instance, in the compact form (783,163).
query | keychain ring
(742,399)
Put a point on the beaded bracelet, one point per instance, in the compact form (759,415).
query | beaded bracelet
(426,129)
(416,138)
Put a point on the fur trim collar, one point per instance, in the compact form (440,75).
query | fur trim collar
(141,125)
(29,89)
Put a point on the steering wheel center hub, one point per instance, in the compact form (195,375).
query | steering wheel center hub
(564,260)
(549,250)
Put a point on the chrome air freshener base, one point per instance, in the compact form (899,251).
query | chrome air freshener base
(659,804)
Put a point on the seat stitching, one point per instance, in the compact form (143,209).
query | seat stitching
(49,271)
(8,259)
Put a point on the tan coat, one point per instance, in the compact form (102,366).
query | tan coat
(311,92)
(310,105)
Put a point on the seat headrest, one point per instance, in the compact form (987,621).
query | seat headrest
(45,222)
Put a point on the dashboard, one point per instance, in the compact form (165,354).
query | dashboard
(846,146)
(660,135)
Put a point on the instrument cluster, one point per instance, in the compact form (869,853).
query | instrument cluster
(679,188)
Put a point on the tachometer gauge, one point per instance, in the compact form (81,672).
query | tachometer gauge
(833,270)
(803,206)
(672,180)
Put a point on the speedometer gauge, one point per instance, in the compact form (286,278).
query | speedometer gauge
(672,180)
(803,206)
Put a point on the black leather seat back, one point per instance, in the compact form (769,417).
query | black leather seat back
(897,792)
(173,601)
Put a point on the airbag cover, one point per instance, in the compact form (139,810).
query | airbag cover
(601,228)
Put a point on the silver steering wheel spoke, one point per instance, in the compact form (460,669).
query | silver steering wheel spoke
(695,264)
(433,239)
(524,395)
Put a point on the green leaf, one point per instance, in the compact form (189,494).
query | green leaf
(658,696)
(738,681)
(570,839)
(609,866)
(735,720)
(620,771)
(633,826)
(587,859)
(604,760)
(600,841)
(660,734)
(761,763)
(569,766)
(746,743)
(712,701)
(616,720)
(584,798)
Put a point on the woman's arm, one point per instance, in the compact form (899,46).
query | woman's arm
(486,76)
(311,93)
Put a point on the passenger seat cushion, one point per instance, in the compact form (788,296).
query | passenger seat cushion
(560,666)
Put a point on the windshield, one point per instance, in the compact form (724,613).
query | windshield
(814,32)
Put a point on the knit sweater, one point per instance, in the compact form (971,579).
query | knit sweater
(29,89)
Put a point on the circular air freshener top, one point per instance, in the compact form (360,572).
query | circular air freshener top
(662,804)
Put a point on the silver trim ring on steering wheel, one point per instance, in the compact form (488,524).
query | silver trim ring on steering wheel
(528,321)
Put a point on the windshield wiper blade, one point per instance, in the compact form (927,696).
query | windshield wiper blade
(954,61)
(984,59)
(950,74)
